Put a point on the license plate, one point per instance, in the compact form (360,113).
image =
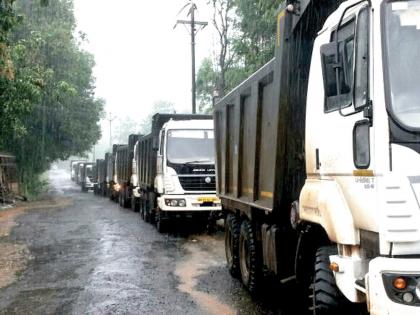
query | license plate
(207,199)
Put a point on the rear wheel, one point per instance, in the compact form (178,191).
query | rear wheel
(249,259)
(120,203)
(126,199)
(134,204)
(232,232)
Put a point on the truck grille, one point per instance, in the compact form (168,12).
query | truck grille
(198,183)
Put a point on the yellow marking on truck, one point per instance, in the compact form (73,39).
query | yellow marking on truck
(279,17)
(363,173)
(208,199)
(266,194)
(248,190)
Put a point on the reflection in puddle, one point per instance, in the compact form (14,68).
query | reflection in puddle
(196,264)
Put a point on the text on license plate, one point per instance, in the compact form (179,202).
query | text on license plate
(207,199)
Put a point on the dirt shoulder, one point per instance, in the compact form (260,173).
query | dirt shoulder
(14,256)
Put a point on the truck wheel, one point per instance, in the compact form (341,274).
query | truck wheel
(249,260)
(162,223)
(127,203)
(134,204)
(326,296)
(232,231)
(120,200)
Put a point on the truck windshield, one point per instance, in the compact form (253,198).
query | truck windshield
(190,146)
(402,51)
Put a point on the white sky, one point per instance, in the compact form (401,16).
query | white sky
(140,58)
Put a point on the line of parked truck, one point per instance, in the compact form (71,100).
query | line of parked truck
(165,175)
(317,159)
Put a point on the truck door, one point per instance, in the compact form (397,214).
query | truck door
(341,125)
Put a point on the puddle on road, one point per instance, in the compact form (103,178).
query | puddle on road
(14,256)
(196,264)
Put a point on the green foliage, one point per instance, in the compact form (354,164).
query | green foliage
(48,110)
(158,107)
(243,50)
(257,26)
(207,83)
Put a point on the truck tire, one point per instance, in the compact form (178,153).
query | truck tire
(326,296)
(134,204)
(126,199)
(162,223)
(142,210)
(232,232)
(249,258)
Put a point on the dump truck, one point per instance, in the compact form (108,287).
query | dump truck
(176,171)
(74,169)
(318,158)
(86,176)
(78,171)
(113,187)
(102,176)
(99,176)
(124,167)
(134,180)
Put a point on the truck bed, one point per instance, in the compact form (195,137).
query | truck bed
(260,125)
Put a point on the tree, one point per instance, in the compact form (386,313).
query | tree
(125,127)
(49,110)
(223,23)
(158,107)
(257,27)
(206,85)
(207,78)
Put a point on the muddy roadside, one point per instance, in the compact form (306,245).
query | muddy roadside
(14,255)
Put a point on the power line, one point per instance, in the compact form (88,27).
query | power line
(193,32)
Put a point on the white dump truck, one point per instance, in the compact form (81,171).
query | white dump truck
(318,158)
(176,170)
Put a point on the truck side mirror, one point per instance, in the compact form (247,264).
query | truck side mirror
(361,144)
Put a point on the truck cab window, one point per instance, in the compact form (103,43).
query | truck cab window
(335,99)
(361,86)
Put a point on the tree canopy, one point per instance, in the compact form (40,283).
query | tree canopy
(246,33)
(48,110)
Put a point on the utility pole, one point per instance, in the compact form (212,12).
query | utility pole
(193,33)
(110,119)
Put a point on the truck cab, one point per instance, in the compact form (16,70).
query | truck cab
(363,151)
(87,180)
(185,176)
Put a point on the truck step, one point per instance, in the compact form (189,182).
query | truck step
(360,285)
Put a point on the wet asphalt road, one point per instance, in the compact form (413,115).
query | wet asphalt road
(93,257)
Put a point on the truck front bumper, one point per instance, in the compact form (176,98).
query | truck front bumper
(192,203)
(382,297)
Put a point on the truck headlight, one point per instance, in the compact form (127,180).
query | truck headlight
(175,202)
(403,289)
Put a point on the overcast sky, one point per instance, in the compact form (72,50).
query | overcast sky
(140,58)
